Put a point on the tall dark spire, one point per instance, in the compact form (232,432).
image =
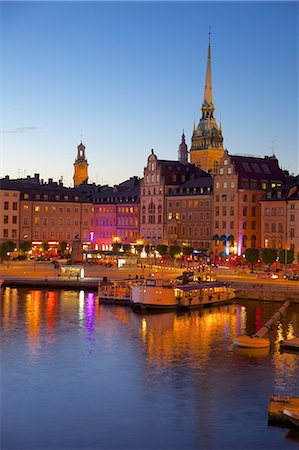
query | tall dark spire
(207,106)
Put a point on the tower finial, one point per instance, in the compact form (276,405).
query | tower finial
(210,35)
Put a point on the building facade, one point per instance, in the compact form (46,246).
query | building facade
(189,213)
(280,218)
(239,184)
(48,212)
(161,178)
(10,214)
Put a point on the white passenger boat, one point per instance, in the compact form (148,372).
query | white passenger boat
(158,294)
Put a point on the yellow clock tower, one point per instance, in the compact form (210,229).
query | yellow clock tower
(80,167)
(207,140)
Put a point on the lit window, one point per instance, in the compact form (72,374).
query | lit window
(37,208)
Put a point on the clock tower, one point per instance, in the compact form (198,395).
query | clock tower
(80,166)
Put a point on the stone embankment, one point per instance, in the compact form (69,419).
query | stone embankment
(266,291)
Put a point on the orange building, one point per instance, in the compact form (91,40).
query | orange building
(239,185)
(280,218)
(50,212)
(9,214)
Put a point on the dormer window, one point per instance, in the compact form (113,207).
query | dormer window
(225,162)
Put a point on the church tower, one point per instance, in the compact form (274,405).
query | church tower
(207,140)
(80,166)
(183,151)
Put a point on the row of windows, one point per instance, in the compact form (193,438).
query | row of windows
(14,206)
(274,211)
(192,215)
(224,185)
(232,211)
(39,208)
(189,203)
(190,231)
(245,224)
(127,221)
(53,221)
(155,179)
(6,219)
(13,233)
(279,227)
(152,192)
(46,197)
(10,194)
(276,243)
(54,235)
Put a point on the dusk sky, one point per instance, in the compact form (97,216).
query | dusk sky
(130,76)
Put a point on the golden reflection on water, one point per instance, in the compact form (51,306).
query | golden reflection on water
(10,307)
(168,337)
(285,364)
(33,318)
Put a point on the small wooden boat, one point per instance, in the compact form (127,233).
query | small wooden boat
(292,415)
(290,344)
(251,342)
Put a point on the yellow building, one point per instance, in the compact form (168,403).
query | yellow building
(207,141)
(80,167)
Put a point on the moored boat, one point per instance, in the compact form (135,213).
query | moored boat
(157,294)
(290,344)
(292,415)
(115,292)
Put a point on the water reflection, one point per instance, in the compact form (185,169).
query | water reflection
(176,374)
(285,364)
(169,337)
(33,317)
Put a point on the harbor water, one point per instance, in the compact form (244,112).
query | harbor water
(79,375)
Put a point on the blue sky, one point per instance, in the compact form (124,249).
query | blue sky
(130,76)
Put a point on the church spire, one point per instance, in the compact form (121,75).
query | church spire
(208,97)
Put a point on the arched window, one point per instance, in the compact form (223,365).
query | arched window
(244,241)
(253,241)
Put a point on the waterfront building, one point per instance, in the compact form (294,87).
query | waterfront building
(280,218)
(239,184)
(162,178)
(9,214)
(207,140)
(189,213)
(49,212)
(117,214)
(80,166)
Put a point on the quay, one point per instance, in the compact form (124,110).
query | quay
(266,291)
(53,283)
